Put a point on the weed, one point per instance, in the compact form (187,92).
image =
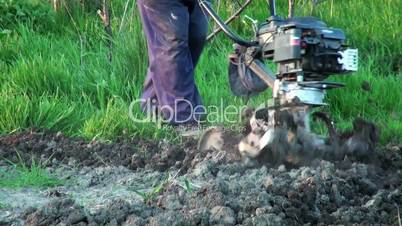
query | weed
(150,195)
(3,206)
(22,175)
(188,186)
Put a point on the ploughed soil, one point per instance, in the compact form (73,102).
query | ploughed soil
(142,182)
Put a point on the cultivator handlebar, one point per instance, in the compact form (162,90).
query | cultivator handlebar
(206,6)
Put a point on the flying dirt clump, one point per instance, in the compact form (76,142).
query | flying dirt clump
(277,137)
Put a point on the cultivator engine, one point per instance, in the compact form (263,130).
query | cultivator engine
(305,51)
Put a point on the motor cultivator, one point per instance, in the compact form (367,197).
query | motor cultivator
(306,51)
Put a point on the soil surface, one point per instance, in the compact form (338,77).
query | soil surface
(158,183)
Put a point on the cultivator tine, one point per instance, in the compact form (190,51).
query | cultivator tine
(211,139)
(279,135)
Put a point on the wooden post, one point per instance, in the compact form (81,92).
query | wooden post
(55,4)
(104,14)
(291,11)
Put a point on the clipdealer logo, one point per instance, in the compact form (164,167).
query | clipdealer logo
(221,113)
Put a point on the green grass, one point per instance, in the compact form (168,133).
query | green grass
(21,176)
(54,71)
(152,193)
(2,206)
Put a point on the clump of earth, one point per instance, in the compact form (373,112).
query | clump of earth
(143,182)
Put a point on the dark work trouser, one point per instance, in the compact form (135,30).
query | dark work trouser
(176,32)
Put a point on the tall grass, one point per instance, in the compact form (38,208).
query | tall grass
(57,75)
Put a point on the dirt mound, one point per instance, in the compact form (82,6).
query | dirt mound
(134,154)
(44,145)
(178,185)
(232,194)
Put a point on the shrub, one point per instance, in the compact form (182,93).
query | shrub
(37,13)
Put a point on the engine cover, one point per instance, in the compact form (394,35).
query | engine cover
(304,44)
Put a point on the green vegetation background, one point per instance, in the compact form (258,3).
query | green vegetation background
(55,74)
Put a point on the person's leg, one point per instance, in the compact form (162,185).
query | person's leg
(148,96)
(171,71)
(198,30)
